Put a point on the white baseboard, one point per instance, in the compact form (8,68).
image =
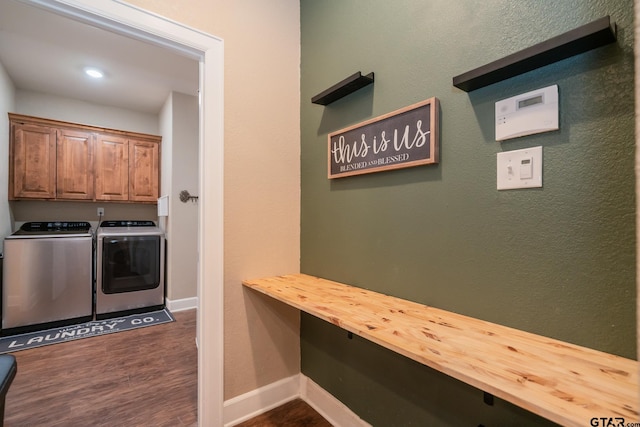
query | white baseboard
(334,411)
(263,399)
(181,304)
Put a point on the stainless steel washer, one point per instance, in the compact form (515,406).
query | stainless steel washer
(47,277)
(129,268)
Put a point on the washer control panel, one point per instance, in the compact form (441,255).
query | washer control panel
(55,226)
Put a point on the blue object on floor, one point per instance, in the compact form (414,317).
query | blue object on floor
(8,369)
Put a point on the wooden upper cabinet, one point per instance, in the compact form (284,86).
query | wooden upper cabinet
(49,159)
(143,170)
(32,162)
(75,165)
(112,168)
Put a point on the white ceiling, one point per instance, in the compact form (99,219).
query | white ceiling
(44,52)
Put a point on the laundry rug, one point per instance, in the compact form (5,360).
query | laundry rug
(83,330)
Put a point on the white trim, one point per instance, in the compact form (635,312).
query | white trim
(210,325)
(181,304)
(125,19)
(263,399)
(129,20)
(334,411)
(260,400)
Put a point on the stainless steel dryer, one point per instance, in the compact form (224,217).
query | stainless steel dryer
(47,276)
(129,268)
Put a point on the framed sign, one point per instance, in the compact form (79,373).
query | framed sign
(400,139)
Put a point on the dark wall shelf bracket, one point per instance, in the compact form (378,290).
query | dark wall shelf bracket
(343,88)
(590,36)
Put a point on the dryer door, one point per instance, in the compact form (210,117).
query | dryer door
(130,263)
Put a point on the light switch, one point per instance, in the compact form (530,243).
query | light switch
(519,169)
(526,168)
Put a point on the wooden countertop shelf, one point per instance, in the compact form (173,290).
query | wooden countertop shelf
(562,382)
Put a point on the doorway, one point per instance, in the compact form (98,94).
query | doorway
(208,50)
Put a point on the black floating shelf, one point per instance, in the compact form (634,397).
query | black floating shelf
(344,88)
(590,36)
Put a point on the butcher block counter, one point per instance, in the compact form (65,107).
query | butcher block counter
(562,382)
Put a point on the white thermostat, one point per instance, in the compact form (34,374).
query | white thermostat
(526,114)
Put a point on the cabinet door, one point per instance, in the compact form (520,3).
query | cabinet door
(75,165)
(33,162)
(143,171)
(111,168)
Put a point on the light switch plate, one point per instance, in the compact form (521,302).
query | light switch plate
(519,169)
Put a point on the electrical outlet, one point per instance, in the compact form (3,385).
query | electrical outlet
(100,211)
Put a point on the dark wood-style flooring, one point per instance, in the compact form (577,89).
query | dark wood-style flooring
(138,378)
(296,413)
(142,377)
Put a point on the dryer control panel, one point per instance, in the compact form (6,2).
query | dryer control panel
(121,223)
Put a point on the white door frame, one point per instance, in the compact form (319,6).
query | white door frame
(134,22)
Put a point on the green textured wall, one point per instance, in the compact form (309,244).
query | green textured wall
(557,261)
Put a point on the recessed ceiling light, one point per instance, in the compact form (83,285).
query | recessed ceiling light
(94,72)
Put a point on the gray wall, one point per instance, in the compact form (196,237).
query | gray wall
(179,123)
(72,110)
(7,104)
(557,261)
